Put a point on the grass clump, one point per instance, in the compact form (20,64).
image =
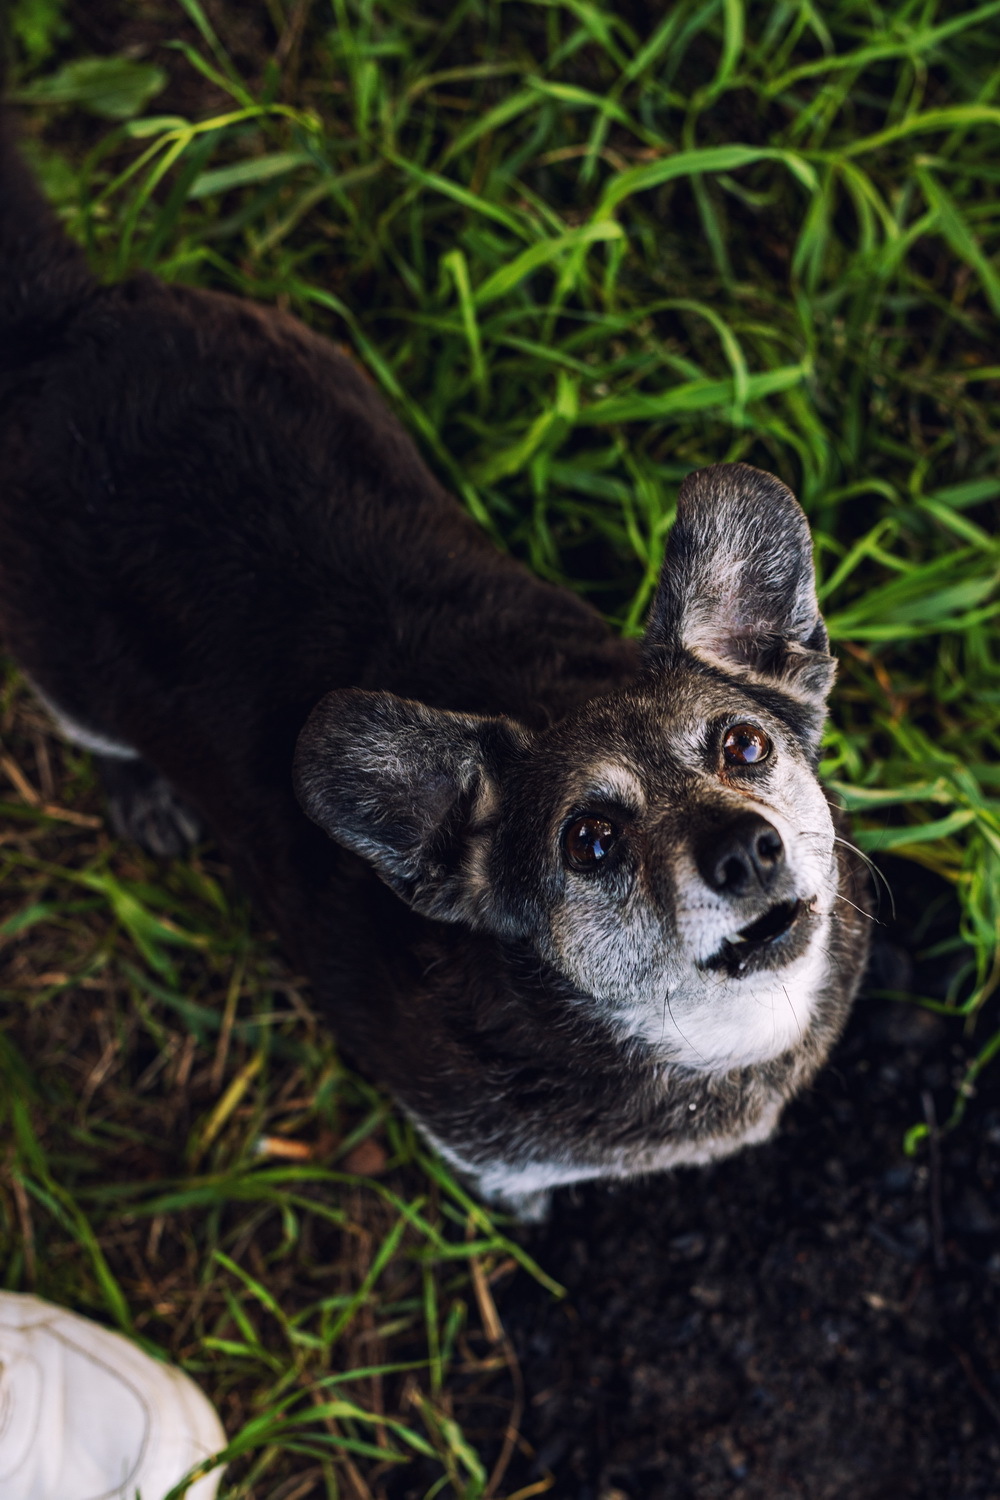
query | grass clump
(582,253)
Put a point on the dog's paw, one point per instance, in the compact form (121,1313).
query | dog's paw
(526,1208)
(144,809)
(531,1208)
(157,820)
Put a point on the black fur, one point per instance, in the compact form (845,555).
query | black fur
(211,529)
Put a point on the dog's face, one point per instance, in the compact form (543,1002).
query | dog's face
(666,849)
(670,852)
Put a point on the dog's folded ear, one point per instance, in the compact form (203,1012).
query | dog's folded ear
(411,789)
(738,588)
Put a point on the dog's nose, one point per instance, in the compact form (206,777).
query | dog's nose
(745,856)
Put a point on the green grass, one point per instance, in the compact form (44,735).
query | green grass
(581,257)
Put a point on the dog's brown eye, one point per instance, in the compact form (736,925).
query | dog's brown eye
(745,745)
(587,840)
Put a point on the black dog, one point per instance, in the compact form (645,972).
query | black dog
(576,903)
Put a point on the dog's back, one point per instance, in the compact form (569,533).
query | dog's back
(210,519)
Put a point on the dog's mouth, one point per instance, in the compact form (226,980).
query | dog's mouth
(770,927)
(770,942)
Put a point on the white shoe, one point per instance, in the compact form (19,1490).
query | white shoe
(86,1415)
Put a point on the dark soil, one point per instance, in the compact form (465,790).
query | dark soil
(819,1317)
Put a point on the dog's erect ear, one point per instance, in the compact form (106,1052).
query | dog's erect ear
(738,588)
(413,790)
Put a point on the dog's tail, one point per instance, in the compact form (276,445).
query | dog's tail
(42,272)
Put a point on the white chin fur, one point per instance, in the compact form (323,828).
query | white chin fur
(723,1022)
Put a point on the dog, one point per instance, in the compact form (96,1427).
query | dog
(579,902)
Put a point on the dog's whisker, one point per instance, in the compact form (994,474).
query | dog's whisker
(873,867)
(859,909)
(680,1033)
(794,1012)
